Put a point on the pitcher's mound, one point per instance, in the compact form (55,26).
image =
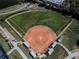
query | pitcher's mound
(40,37)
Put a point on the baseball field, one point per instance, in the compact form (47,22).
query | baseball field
(24,21)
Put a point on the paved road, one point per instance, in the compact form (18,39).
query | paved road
(20,8)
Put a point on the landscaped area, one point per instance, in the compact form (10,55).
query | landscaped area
(51,19)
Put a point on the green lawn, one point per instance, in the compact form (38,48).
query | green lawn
(52,19)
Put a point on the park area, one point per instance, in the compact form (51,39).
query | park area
(23,21)
(26,20)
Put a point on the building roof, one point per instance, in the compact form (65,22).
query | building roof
(56,1)
(2,54)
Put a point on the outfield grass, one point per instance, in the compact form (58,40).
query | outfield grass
(52,19)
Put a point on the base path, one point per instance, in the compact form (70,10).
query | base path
(40,37)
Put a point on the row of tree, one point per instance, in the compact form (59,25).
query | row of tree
(68,6)
(75,8)
(72,6)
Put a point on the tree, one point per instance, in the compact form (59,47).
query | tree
(7,3)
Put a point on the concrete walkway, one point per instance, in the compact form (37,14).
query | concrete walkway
(8,53)
(66,49)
